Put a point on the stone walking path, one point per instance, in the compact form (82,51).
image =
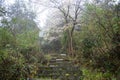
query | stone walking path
(60,68)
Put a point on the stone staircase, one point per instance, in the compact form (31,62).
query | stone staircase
(60,68)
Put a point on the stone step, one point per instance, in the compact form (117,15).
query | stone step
(59,66)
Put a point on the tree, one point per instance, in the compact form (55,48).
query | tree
(101,20)
(18,41)
(70,10)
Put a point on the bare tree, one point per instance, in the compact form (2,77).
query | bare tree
(71,11)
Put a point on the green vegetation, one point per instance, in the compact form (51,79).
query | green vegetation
(94,47)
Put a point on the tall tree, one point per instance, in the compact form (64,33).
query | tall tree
(70,10)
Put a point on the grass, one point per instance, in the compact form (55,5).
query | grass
(94,75)
(46,79)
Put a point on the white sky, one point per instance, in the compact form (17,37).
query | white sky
(40,11)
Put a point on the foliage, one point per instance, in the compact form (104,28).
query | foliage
(99,43)
(19,48)
(96,46)
(6,38)
(94,75)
